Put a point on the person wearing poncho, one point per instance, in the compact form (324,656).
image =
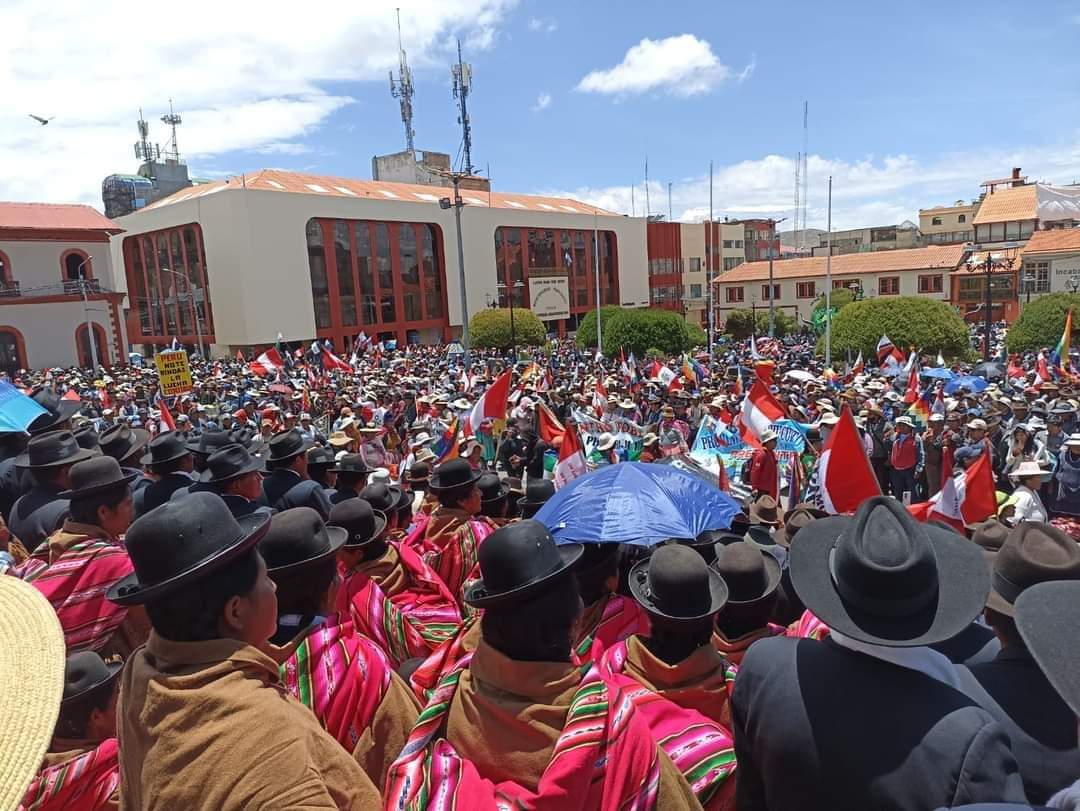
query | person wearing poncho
(518,723)
(342,675)
(204,720)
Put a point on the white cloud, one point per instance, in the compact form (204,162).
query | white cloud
(748,71)
(543,101)
(241,81)
(542,25)
(866,192)
(683,65)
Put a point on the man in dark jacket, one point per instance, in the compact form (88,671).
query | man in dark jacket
(870,717)
(169,459)
(288,484)
(40,512)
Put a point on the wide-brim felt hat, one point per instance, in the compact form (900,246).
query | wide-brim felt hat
(52,449)
(453,474)
(750,573)
(537,493)
(361,522)
(492,488)
(883,578)
(352,463)
(795,519)
(85,672)
(675,583)
(184,539)
(521,560)
(57,411)
(298,539)
(287,444)
(120,441)
(1033,553)
(230,462)
(1048,618)
(96,475)
(208,442)
(165,447)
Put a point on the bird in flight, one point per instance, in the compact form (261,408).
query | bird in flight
(40,120)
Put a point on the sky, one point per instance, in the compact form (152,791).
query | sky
(909,106)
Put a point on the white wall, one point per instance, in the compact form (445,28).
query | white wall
(37,264)
(257,263)
(48,330)
(909,286)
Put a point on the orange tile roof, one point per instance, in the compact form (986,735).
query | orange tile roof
(1059,240)
(55,216)
(1005,205)
(300,183)
(935,257)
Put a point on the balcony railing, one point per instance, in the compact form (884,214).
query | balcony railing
(74,287)
(9,289)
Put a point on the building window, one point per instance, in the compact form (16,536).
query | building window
(738,243)
(1026,229)
(961,218)
(695,291)
(936,221)
(75,265)
(5,273)
(320,284)
(889,286)
(729,243)
(733,295)
(167,282)
(12,351)
(695,264)
(765,292)
(409,260)
(1041,273)
(931,284)
(1012,230)
(805,290)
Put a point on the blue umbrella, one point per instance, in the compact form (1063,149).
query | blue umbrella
(636,503)
(975,384)
(16,409)
(938,374)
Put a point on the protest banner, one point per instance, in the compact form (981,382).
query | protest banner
(716,441)
(174,373)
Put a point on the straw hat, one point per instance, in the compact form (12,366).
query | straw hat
(34,644)
(1026,469)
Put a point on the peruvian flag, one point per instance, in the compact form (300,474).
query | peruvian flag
(964,499)
(1015,370)
(599,398)
(662,374)
(1042,370)
(492,404)
(268,362)
(886,350)
(548,425)
(912,393)
(464,379)
(71,394)
(571,462)
(857,369)
(332,361)
(239,356)
(760,409)
(167,423)
(844,473)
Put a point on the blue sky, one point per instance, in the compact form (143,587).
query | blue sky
(909,105)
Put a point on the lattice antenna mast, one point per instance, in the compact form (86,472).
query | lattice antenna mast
(172,120)
(805,174)
(144,150)
(402,89)
(462,76)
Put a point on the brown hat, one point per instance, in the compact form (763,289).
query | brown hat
(1033,553)
(795,519)
(764,511)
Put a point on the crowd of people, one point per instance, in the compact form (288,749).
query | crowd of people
(328,585)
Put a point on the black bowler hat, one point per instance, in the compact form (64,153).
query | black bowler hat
(84,672)
(386,498)
(287,444)
(229,462)
(537,492)
(419,472)
(883,578)
(87,437)
(96,475)
(1048,618)
(492,488)
(120,441)
(320,457)
(52,449)
(362,522)
(516,560)
(1033,553)
(165,447)
(297,539)
(453,474)
(208,442)
(182,541)
(352,463)
(57,410)
(675,583)
(750,573)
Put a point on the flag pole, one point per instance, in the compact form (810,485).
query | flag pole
(828,280)
(709,258)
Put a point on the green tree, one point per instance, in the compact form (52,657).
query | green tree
(638,330)
(695,336)
(910,321)
(839,298)
(741,324)
(490,329)
(586,331)
(1042,321)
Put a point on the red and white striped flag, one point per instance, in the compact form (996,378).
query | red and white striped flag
(571,462)
(760,409)
(845,477)
(332,361)
(165,417)
(267,363)
(491,405)
(964,499)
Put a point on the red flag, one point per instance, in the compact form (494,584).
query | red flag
(239,356)
(599,399)
(167,423)
(966,499)
(332,361)
(267,363)
(844,473)
(571,462)
(764,370)
(106,400)
(491,405)
(547,425)
(912,393)
(760,409)
(71,394)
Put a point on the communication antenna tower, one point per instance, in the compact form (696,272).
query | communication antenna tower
(462,76)
(402,89)
(172,120)
(805,174)
(144,150)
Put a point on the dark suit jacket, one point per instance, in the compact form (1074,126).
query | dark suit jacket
(241,507)
(976,643)
(37,515)
(285,489)
(157,493)
(338,496)
(820,726)
(1040,725)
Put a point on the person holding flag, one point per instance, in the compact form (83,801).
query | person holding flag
(905,459)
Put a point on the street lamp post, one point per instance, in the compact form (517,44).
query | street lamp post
(992,262)
(772,297)
(86,315)
(194,307)
(457,204)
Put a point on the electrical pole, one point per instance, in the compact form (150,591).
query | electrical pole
(458,205)
(596,269)
(89,328)
(709,258)
(828,280)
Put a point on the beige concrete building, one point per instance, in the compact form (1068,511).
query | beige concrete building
(861,240)
(311,256)
(56,274)
(948,225)
(1051,262)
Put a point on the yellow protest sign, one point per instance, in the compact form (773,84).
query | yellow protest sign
(174,373)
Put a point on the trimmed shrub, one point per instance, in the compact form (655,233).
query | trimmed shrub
(490,329)
(1042,321)
(910,321)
